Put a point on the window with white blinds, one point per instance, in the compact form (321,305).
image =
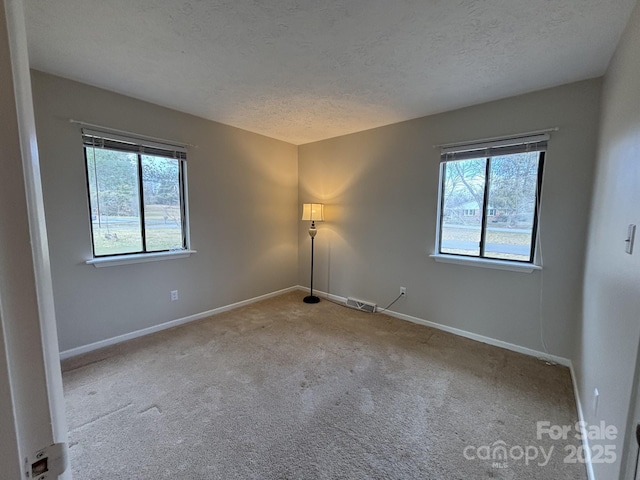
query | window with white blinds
(136,191)
(490,198)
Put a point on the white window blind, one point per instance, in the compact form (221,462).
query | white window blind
(122,143)
(494,148)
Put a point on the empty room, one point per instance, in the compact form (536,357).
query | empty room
(320,240)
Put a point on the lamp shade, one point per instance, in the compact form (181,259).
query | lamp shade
(313,211)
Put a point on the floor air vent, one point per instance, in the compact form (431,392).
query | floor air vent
(360,305)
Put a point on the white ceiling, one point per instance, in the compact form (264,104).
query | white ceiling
(305,70)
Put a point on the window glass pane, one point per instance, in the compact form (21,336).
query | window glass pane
(512,193)
(463,197)
(162,211)
(115,201)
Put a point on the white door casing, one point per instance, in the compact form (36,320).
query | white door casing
(30,376)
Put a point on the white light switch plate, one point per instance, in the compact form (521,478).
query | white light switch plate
(631,235)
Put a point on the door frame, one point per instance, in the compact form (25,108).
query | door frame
(30,368)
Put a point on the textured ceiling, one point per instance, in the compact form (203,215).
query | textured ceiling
(305,70)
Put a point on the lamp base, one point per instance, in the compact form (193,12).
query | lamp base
(310,299)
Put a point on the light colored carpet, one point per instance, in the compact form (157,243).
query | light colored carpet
(285,390)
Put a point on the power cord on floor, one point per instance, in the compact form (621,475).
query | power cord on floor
(389,306)
(541,260)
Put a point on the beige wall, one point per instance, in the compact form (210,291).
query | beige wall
(606,356)
(242,204)
(381,191)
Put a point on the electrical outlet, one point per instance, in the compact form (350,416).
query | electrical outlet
(174,295)
(403,291)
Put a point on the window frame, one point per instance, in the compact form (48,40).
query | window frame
(481,258)
(144,254)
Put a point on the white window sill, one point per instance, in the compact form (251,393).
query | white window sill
(487,263)
(138,258)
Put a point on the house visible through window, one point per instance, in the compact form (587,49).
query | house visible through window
(136,195)
(489,199)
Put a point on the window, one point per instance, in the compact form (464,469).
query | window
(136,195)
(489,199)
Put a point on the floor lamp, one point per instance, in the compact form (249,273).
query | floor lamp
(315,213)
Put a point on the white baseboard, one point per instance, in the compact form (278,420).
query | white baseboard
(481,338)
(163,326)
(462,333)
(330,296)
(585,441)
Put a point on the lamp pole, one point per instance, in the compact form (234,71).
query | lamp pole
(311,298)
